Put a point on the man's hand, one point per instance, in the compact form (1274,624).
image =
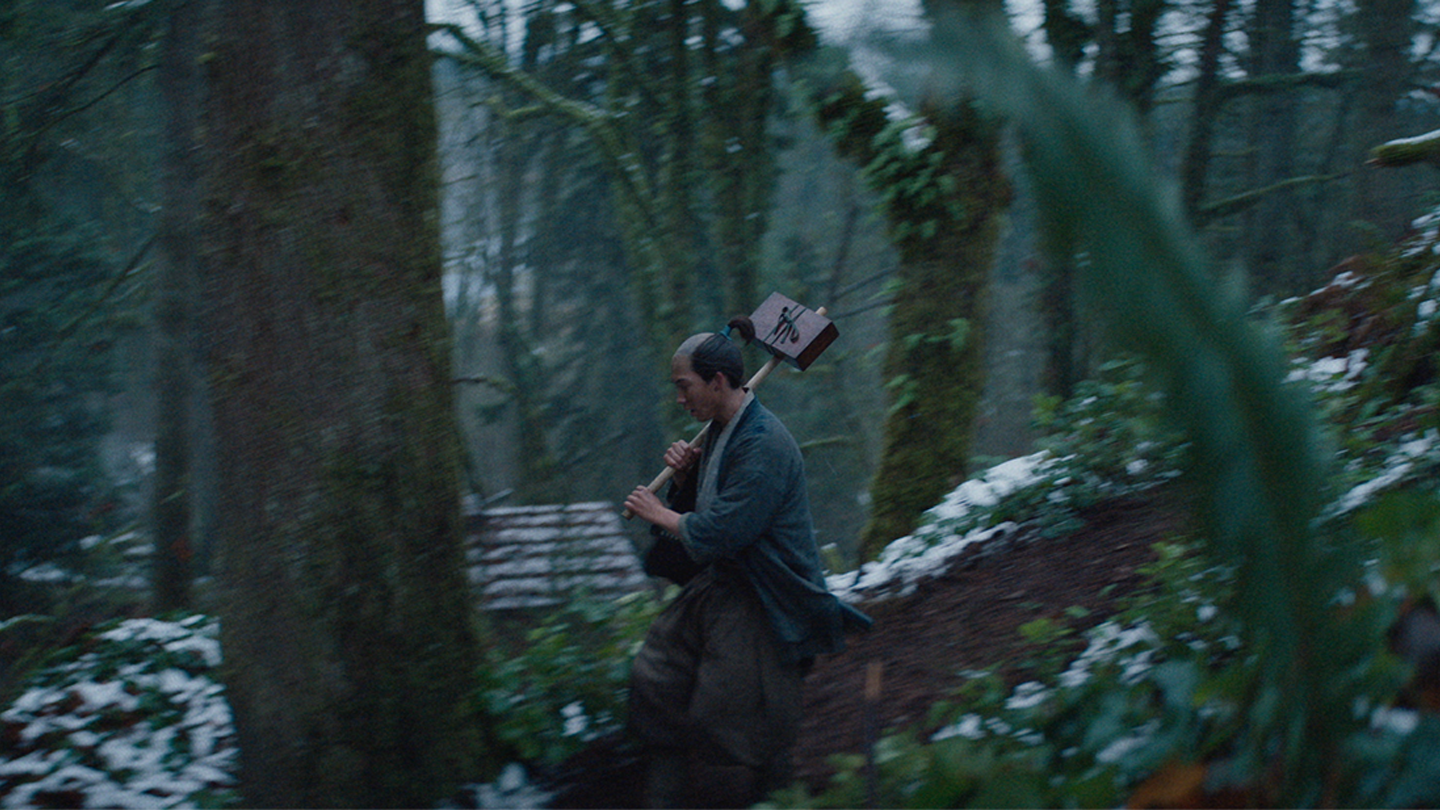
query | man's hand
(647,505)
(681,456)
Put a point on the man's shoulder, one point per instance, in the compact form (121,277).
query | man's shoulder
(760,425)
(759,419)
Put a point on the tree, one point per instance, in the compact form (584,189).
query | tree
(172,490)
(346,619)
(1385,30)
(71,248)
(1129,56)
(537,205)
(942,201)
(1205,109)
(675,101)
(1274,53)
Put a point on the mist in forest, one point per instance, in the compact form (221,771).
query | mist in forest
(287,292)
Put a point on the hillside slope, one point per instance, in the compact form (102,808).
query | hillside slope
(968,619)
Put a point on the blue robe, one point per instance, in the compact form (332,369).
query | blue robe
(716,688)
(758,518)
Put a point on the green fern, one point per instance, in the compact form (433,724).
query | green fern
(1256,452)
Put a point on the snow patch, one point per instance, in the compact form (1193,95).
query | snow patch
(908,560)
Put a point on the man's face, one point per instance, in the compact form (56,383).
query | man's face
(700,398)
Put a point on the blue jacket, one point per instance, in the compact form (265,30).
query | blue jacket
(759,521)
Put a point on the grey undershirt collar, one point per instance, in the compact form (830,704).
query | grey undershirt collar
(710,464)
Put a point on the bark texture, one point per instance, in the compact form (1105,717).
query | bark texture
(1387,29)
(1271,221)
(172,488)
(345,611)
(943,204)
(936,358)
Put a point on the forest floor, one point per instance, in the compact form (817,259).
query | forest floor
(968,619)
(963,620)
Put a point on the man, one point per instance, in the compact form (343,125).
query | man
(715,689)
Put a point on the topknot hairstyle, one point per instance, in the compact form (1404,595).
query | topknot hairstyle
(714,353)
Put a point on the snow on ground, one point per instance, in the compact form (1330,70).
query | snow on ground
(125,727)
(1333,374)
(136,722)
(1413,451)
(910,559)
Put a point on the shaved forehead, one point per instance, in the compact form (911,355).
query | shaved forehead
(687,349)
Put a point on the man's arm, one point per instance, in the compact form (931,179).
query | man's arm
(647,505)
(761,475)
(682,457)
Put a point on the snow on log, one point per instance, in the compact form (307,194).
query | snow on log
(1405,151)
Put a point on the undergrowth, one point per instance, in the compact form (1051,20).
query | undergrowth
(128,715)
(1257,672)
(1254,672)
(563,682)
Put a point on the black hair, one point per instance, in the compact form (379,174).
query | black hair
(719,354)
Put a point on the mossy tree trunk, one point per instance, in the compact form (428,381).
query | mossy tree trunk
(172,488)
(346,619)
(1272,223)
(943,203)
(936,359)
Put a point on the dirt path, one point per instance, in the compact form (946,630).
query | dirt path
(966,619)
(969,619)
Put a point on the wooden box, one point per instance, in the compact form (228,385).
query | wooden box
(792,332)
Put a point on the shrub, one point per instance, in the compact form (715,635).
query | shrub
(566,681)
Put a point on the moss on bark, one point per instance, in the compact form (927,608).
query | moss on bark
(943,202)
(346,617)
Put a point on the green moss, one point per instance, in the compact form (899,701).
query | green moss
(942,204)
(350,606)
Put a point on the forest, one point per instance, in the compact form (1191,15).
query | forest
(1131,425)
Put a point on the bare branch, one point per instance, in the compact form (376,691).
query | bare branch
(623,157)
(128,270)
(1239,202)
(484,379)
(1265,85)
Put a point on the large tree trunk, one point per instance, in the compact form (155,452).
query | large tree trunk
(936,358)
(943,204)
(172,489)
(1271,223)
(346,619)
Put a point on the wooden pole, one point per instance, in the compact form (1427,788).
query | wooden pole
(755,379)
(669,472)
